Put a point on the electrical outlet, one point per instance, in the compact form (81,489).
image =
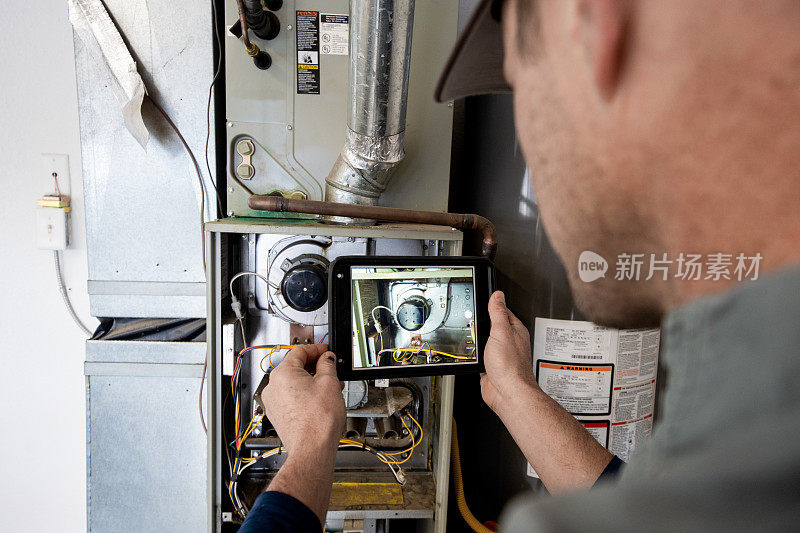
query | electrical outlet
(51,228)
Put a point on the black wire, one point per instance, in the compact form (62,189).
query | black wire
(208,106)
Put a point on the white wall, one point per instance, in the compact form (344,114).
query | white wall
(42,416)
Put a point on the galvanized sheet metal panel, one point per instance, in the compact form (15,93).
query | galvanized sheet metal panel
(146,449)
(145,455)
(143,207)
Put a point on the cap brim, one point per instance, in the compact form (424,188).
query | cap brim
(475,65)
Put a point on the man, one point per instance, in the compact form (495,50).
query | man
(665,127)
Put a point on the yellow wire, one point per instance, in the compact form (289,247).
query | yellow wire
(421,434)
(268,357)
(430,351)
(273,346)
(414,442)
(410,450)
(394,356)
(463,508)
(250,427)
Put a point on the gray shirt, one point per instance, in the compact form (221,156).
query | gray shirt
(725,453)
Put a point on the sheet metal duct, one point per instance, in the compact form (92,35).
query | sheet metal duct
(380,56)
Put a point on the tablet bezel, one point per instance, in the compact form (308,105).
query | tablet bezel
(340,314)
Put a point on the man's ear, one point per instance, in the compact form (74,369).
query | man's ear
(604,24)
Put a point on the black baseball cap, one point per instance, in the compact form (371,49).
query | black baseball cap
(475,65)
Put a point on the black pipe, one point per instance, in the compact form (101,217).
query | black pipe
(263,23)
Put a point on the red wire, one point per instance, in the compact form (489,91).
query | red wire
(58,189)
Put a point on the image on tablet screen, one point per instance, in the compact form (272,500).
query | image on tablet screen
(413,316)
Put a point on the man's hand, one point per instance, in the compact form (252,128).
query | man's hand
(307,410)
(304,402)
(507,356)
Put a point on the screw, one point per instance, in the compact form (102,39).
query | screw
(230,189)
(289,27)
(230,124)
(450,104)
(289,127)
(250,295)
(230,213)
(244,237)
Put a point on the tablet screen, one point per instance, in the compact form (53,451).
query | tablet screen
(418,315)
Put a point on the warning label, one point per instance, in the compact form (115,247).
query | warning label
(334,33)
(308,52)
(580,389)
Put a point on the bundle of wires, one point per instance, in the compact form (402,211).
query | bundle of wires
(397,353)
(236,465)
(392,460)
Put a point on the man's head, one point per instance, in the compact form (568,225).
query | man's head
(658,126)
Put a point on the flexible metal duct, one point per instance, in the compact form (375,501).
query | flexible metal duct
(380,54)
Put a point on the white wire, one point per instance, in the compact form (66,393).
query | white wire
(244,337)
(430,350)
(381,307)
(274,307)
(377,322)
(246,273)
(65,296)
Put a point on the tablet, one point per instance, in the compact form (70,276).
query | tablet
(409,316)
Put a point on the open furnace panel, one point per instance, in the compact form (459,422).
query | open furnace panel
(393,460)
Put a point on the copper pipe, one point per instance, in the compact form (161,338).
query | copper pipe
(278,204)
(243,22)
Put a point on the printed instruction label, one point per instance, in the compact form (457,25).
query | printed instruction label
(308,75)
(605,377)
(334,33)
(580,389)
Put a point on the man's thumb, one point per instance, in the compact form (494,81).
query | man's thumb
(498,311)
(326,364)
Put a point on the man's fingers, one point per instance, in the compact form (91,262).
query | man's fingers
(326,364)
(303,355)
(498,311)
